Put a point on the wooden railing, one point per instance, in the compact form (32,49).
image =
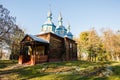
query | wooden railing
(33,59)
(39,58)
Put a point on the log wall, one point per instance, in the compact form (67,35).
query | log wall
(56,48)
(71,49)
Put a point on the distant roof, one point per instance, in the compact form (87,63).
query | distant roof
(69,34)
(57,35)
(61,28)
(35,38)
(46,24)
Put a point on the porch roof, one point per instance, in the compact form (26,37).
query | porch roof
(35,38)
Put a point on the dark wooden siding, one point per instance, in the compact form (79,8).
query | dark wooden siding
(67,49)
(75,51)
(71,49)
(60,48)
(56,48)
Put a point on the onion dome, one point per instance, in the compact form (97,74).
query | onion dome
(48,26)
(69,34)
(61,30)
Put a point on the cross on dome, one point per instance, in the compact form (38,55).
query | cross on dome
(49,14)
(68,25)
(60,19)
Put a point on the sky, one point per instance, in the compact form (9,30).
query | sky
(81,14)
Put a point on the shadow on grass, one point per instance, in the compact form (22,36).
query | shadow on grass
(69,77)
(24,73)
(6,63)
(116,70)
(35,72)
(81,64)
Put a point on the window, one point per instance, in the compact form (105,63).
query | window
(70,45)
(40,50)
(49,29)
(44,28)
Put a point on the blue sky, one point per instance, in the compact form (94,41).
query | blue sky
(81,14)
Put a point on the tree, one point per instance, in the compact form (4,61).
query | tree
(89,42)
(93,45)
(10,32)
(102,48)
(111,42)
(15,42)
(7,23)
(82,43)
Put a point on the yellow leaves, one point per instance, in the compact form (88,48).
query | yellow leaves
(108,42)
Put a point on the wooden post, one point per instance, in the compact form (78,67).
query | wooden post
(33,55)
(20,60)
(32,59)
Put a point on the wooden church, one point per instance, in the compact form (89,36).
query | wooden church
(52,44)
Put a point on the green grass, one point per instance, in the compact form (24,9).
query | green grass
(6,63)
(37,73)
(116,75)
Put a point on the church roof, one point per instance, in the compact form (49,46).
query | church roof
(69,34)
(49,24)
(49,20)
(61,28)
(35,38)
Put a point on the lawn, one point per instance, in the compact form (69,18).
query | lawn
(6,63)
(71,70)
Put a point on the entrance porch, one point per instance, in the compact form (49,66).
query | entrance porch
(33,50)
